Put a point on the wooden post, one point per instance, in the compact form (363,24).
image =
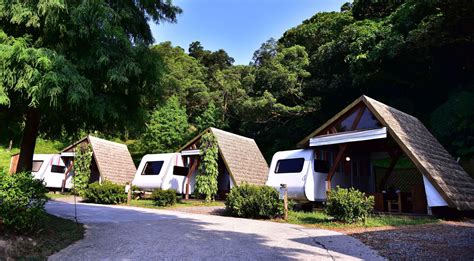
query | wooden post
(129,196)
(194,165)
(10,145)
(63,185)
(285,199)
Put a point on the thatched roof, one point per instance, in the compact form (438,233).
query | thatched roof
(113,159)
(428,155)
(241,156)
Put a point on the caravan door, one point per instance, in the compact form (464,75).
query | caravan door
(54,173)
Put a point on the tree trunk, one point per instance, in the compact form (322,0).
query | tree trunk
(28,141)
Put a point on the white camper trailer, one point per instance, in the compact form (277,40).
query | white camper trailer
(165,171)
(304,173)
(51,168)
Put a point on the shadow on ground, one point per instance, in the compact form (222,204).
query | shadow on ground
(122,233)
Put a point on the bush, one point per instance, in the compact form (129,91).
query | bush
(251,201)
(105,193)
(22,200)
(349,205)
(164,198)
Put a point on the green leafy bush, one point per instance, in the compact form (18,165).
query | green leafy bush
(164,198)
(251,201)
(105,193)
(22,200)
(349,205)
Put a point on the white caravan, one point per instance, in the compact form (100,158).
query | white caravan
(50,168)
(304,175)
(165,171)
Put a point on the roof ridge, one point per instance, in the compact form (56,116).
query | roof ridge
(106,141)
(230,133)
(369,99)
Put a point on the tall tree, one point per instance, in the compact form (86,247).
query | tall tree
(167,128)
(77,63)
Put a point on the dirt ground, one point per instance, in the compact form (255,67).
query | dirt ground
(446,240)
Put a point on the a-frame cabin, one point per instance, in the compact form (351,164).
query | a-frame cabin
(367,133)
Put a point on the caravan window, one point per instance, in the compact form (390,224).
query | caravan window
(180,171)
(289,165)
(321,166)
(152,167)
(58,169)
(36,165)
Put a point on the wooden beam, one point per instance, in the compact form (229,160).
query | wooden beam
(343,147)
(358,117)
(339,156)
(194,164)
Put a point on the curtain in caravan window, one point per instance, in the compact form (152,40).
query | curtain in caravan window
(36,165)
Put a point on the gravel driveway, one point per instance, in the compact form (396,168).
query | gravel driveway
(117,232)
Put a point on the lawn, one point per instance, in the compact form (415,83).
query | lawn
(57,234)
(42,146)
(58,195)
(147,203)
(321,220)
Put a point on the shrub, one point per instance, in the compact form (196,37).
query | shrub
(22,200)
(349,205)
(251,201)
(164,198)
(105,193)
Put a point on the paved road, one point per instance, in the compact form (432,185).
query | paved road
(134,233)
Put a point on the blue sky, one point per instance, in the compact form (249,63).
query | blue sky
(237,26)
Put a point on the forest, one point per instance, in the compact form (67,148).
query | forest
(99,71)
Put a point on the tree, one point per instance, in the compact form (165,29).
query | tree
(217,60)
(167,129)
(211,117)
(77,63)
(183,77)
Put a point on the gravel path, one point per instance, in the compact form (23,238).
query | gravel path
(118,232)
(443,241)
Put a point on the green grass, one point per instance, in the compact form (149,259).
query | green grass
(320,219)
(57,234)
(147,203)
(58,195)
(42,146)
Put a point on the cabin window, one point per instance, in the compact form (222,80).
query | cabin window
(36,165)
(289,165)
(321,166)
(58,169)
(368,121)
(152,168)
(346,123)
(180,171)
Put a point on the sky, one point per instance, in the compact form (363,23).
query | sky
(237,26)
